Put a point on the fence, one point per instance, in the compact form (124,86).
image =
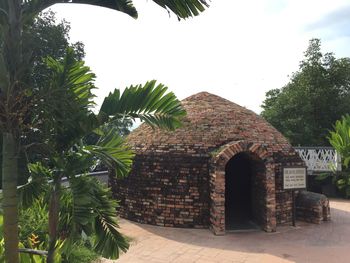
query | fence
(320,159)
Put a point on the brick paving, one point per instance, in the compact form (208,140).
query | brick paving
(327,242)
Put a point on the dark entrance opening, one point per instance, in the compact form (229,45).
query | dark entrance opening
(240,196)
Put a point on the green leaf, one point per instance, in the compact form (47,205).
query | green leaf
(108,242)
(36,186)
(322,176)
(83,204)
(1,226)
(69,118)
(2,250)
(149,103)
(346,161)
(33,7)
(113,152)
(341,183)
(94,208)
(183,8)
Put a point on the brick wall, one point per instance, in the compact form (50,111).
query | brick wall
(258,190)
(284,201)
(166,190)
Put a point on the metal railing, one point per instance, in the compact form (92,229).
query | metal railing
(102,176)
(320,159)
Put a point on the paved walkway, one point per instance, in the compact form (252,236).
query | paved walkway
(328,242)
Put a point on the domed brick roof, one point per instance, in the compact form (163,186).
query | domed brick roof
(211,122)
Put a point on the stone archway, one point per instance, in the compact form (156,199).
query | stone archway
(217,185)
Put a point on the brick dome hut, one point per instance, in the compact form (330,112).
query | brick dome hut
(222,169)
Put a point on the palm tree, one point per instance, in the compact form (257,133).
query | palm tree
(15,99)
(65,122)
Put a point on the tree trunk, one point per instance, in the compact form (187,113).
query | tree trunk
(13,59)
(9,185)
(54,208)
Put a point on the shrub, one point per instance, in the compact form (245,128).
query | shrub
(340,140)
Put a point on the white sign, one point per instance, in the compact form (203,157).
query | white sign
(294,178)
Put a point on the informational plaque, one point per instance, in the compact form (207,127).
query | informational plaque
(294,178)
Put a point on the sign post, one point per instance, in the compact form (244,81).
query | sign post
(294,209)
(294,178)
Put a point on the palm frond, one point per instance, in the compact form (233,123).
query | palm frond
(33,7)
(112,151)
(37,185)
(109,242)
(149,102)
(183,8)
(82,203)
(94,208)
(72,83)
(71,75)
(77,162)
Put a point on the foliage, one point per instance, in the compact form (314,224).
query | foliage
(33,224)
(182,8)
(86,207)
(316,96)
(87,210)
(43,37)
(33,234)
(80,252)
(94,215)
(17,100)
(72,82)
(24,257)
(342,181)
(122,127)
(149,103)
(340,139)
(2,244)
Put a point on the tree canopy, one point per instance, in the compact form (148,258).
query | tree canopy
(45,36)
(317,95)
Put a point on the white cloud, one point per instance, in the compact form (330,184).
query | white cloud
(236,49)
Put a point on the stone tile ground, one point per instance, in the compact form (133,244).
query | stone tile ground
(328,242)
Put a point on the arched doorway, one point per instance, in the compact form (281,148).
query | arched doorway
(263,198)
(244,174)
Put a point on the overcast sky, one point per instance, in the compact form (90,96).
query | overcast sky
(235,49)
